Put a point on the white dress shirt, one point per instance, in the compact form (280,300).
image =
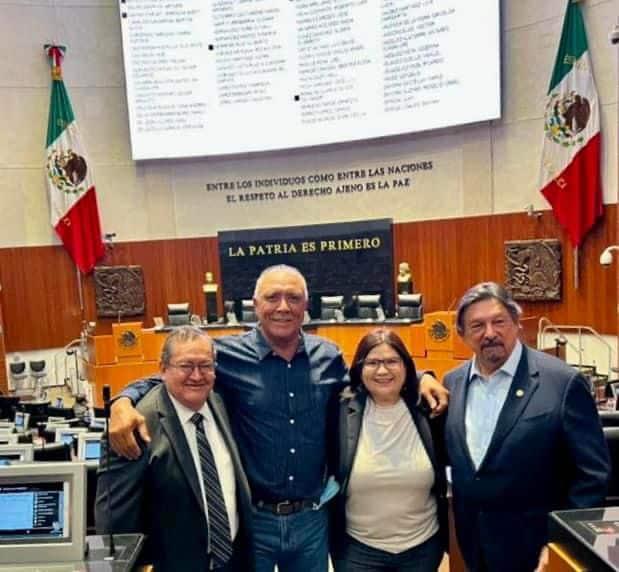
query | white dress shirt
(223,461)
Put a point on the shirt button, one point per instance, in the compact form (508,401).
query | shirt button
(292,422)
(291,478)
(289,365)
(293,451)
(291,394)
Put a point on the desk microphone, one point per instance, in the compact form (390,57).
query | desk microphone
(107,405)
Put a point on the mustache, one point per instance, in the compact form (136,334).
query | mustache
(492,344)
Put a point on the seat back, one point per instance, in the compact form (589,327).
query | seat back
(612,440)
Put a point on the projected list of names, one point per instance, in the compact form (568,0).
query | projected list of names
(209,77)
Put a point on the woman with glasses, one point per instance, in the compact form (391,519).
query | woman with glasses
(391,512)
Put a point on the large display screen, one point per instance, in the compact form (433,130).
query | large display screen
(210,77)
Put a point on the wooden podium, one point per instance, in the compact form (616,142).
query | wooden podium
(444,349)
(129,353)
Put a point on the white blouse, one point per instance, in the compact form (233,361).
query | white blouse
(389,505)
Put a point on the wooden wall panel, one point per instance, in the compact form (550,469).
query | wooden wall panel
(41,306)
(448,256)
(173,272)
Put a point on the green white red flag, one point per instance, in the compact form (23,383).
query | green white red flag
(570,172)
(73,201)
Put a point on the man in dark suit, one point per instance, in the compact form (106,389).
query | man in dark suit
(187,491)
(523,437)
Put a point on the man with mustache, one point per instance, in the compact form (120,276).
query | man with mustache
(523,438)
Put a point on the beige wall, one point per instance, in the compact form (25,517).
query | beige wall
(481,169)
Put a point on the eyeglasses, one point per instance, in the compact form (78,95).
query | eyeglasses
(391,363)
(187,368)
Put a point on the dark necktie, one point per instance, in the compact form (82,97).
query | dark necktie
(219,526)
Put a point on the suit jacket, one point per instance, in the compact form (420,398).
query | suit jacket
(547,452)
(349,430)
(159,494)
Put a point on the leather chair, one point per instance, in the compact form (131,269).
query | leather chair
(609,418)
(53,452)
(369,307)
(612,440)
(178,314)
(332,308)
(410,306)
(248,311)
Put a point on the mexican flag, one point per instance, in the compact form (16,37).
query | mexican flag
(73,201)
(570,172)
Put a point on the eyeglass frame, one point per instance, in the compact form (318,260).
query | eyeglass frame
(203,368)
(396,362)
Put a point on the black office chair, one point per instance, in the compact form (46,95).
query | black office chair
(38,411)
(248,311)
(53,452)
(332,308)
(64,412)
(178,314)
(91,495)
(230,313)
(369,307)
(48,435)
(609,418)
(410,306)
(612,440)
(24,438)
(8,406)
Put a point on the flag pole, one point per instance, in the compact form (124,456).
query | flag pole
(576,268)
(80,293)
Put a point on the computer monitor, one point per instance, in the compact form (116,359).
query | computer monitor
(89,447)
(22,421)
(17,452)
(68,434)
(42,513)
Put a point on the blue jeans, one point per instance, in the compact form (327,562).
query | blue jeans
(296,543)
(359,557)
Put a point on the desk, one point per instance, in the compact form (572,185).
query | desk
(128,548)
(131,352)
(584,539)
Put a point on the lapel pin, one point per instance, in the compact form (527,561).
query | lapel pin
(519,393)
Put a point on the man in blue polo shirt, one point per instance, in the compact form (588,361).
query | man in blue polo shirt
(281,387)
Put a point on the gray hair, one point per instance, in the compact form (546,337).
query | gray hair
(280,268)
(486,291)
(182,335)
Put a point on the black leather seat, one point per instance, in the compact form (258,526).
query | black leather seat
(612,440)
(609,418)
(53,452)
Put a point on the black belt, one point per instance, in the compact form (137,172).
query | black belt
(286,507)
